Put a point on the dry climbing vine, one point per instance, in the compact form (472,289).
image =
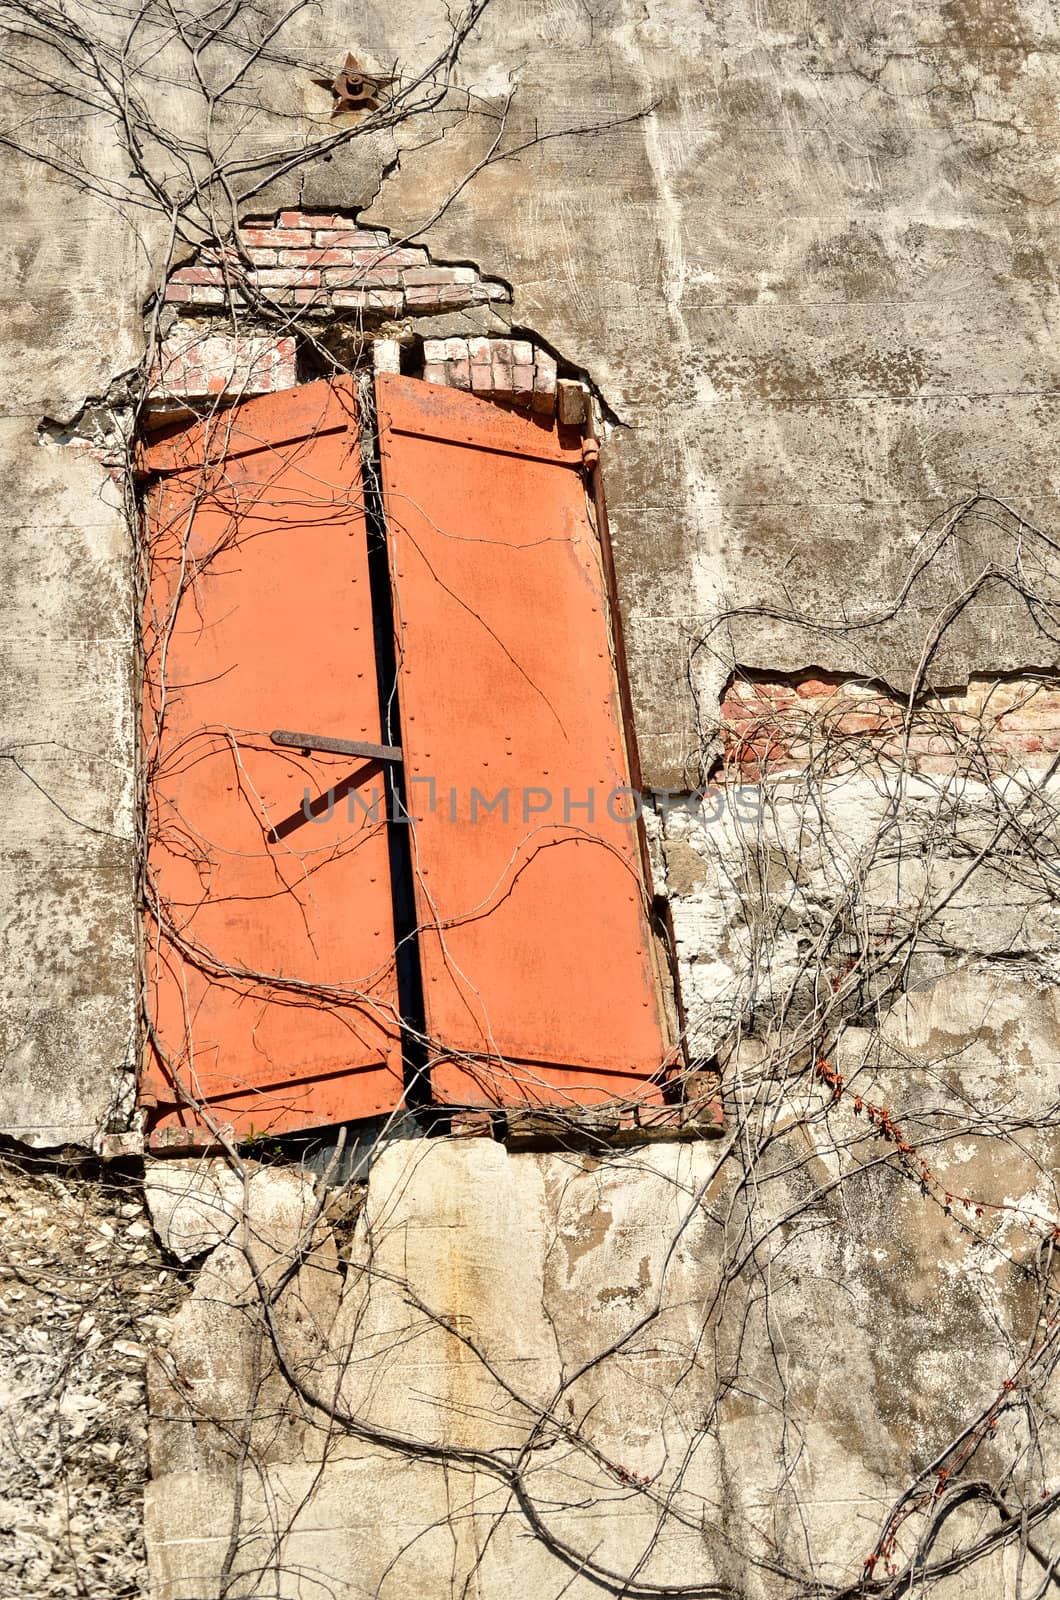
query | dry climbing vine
(843,1136)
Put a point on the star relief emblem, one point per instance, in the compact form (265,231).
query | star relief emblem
(354,87)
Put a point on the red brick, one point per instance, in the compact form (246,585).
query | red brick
(1046,698)
(277,238)
(218,363)
(1035,713)
(308,219)
(309,297)
(922,742)
(761,750)
(854,722)
(288,278)
(355,277)
(315,258)
(935,766)
(502,368)
(384,302)
(204,295)
(748,710)
(816,689)
(880,706)
(704,1107)
(1024,744)
(386,356)
(198,275)
(177,291)
(439,295)
(262,258)
(544,383)
(390,302)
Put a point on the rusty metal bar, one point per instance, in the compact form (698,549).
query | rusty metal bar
(336,747)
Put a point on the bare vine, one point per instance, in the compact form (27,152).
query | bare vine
(835,1121)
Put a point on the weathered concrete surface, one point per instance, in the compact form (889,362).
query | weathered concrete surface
(816,282)
(778,888)
(194,1205)
(820,295)
(570,1315)
(67,933)
(83,1294)
(72,274)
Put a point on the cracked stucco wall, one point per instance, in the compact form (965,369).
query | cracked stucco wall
(84,1295)
(820,300)
(507,1308)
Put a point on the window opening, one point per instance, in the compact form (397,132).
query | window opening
(523,974)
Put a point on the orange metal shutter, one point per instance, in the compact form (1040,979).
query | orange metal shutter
(539,979)
(271,990)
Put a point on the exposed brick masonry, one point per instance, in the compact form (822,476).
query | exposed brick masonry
(773,724)
(500,369)
(313,261)
(196,366)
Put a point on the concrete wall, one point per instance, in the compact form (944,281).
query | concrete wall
(84,1295)
(806,260)
(557,1372)
(817,299)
